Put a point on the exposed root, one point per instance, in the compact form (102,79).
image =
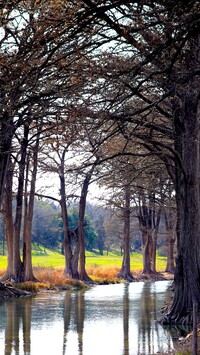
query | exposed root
(7,291)
(126,276)
(87,280)
(182,320)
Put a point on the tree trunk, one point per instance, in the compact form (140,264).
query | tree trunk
(170,241)
(81,267)
(154,250)
(149,221)
(146,227)
(28,218)
(75,256)
(147,246)
(18,267)
(8,218)
(170,266)
(155,238)
(125,271)
(67,240)
(187,273)
(6,135)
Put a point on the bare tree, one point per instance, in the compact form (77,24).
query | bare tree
(161,40)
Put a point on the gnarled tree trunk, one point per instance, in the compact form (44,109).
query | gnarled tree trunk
(187,273)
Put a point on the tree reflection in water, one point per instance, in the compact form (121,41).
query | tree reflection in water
(74,313)
(118,319)
(126,319)
(18,326)
(149,333)
(150,340)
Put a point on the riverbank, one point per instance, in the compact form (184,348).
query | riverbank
(79,318)
(9,291)
(52,279)
(183,345)
(98,275)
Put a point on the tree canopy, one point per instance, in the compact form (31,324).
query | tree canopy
(126,75)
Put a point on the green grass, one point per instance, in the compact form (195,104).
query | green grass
(49,258)
(115,260)
(3,262)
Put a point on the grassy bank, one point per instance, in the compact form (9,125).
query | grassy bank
(51,259)
(48,265)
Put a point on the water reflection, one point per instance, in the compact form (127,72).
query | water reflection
(74,314)
(151,336)
(126,319)
(18,325)
(114,319)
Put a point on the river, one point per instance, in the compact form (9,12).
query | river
(119,319)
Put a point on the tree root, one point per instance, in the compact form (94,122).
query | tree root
(126,276)
(8,291)
(184,320)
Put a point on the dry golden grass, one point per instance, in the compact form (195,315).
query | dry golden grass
(103,273)
(48,278)
(34,287)
(54,276)
(49,275)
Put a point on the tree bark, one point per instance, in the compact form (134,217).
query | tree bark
(187,274)
(75,256)
(146,227)
(18,267)
(147,247)
(67,240)
(170,241)
(157,216)
(8,218)
(125,271)
(149,221)
(170,266)
(6,135)
(82,204)
(28,218)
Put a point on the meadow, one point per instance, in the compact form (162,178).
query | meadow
(95,264)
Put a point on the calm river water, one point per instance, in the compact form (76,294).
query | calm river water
(115,319)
